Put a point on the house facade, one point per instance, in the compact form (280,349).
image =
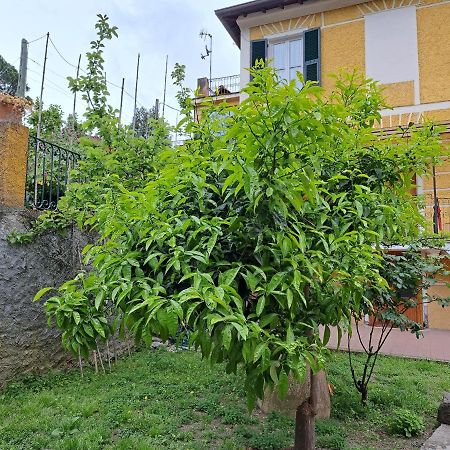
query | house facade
(403,44)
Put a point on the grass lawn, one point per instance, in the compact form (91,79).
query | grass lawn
(162,400)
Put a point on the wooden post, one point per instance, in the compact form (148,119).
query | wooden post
(22,84)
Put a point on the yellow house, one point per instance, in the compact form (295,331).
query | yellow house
(403,44)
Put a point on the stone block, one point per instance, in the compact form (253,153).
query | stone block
(297,394)
(444,410)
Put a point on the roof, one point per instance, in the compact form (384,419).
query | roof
(228,16)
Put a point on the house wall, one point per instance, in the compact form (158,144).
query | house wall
(439,317)
(411,58)
(349,40)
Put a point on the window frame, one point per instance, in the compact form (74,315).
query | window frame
(287,37)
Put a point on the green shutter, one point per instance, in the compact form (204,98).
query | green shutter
(312,55)
(258,51)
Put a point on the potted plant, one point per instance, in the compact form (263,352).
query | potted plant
(12,108)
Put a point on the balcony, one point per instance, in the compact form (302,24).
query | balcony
(219,87)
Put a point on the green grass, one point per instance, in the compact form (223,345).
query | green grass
(162,400)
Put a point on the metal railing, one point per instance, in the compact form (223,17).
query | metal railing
(48,173)
(225,85)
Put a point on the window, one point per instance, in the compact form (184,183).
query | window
(291,52)
(287,57)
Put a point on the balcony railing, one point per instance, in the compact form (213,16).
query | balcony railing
(219,86)
(226,85)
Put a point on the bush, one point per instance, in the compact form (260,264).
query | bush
(406,423)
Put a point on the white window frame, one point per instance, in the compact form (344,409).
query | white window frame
(286,37)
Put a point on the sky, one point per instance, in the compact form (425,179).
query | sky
(153,28)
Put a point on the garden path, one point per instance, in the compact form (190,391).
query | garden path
(433,345)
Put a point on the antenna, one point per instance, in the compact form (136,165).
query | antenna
(208,51)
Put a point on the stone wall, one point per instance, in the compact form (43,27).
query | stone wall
(27,344)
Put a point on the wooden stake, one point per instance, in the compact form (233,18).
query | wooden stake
(95,361)
(80,362)
(109,355)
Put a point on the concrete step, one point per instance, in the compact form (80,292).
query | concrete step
(440,440)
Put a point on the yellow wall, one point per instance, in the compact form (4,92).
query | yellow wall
(434,53)
(343,46)
(439,317)
(13,163)
(338,54)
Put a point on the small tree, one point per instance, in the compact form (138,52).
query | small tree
(9,77)
(267,225)
(51,121)
(409,276)
(144,121)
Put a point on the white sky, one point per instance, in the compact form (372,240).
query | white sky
(153,28)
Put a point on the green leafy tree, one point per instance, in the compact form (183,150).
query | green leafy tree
(144,121)
(267,225)
(51,121)
(100,116)
(408,276)
(9,77)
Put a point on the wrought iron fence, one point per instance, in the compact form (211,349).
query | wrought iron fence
(225,85)
(48,173)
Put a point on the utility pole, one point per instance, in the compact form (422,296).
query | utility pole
(38,131)
(135,91)
(22,83)
(72,135)
(157,109)
(165,87)
(75,93)
(121,101)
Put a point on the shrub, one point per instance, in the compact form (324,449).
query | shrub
(330,435)
(406,423)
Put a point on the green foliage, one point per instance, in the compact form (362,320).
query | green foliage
(408,277)
(51,120)
(331,435)
(266,225)
(406,423)
(100,116)
(54,128)
(48,220)
(152,400)
(9,77)
(144,120)
(115,159)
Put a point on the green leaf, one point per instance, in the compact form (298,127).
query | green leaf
(76,317)
(41,293)
(169,320)
(226,337)
(260,305)
(359,208)
(289,297)
(260,348)
(98,327)
(211,243)
(283,385)
(99,299)
(228,277)
(275,281)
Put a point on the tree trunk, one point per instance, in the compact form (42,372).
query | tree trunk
(305,419)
